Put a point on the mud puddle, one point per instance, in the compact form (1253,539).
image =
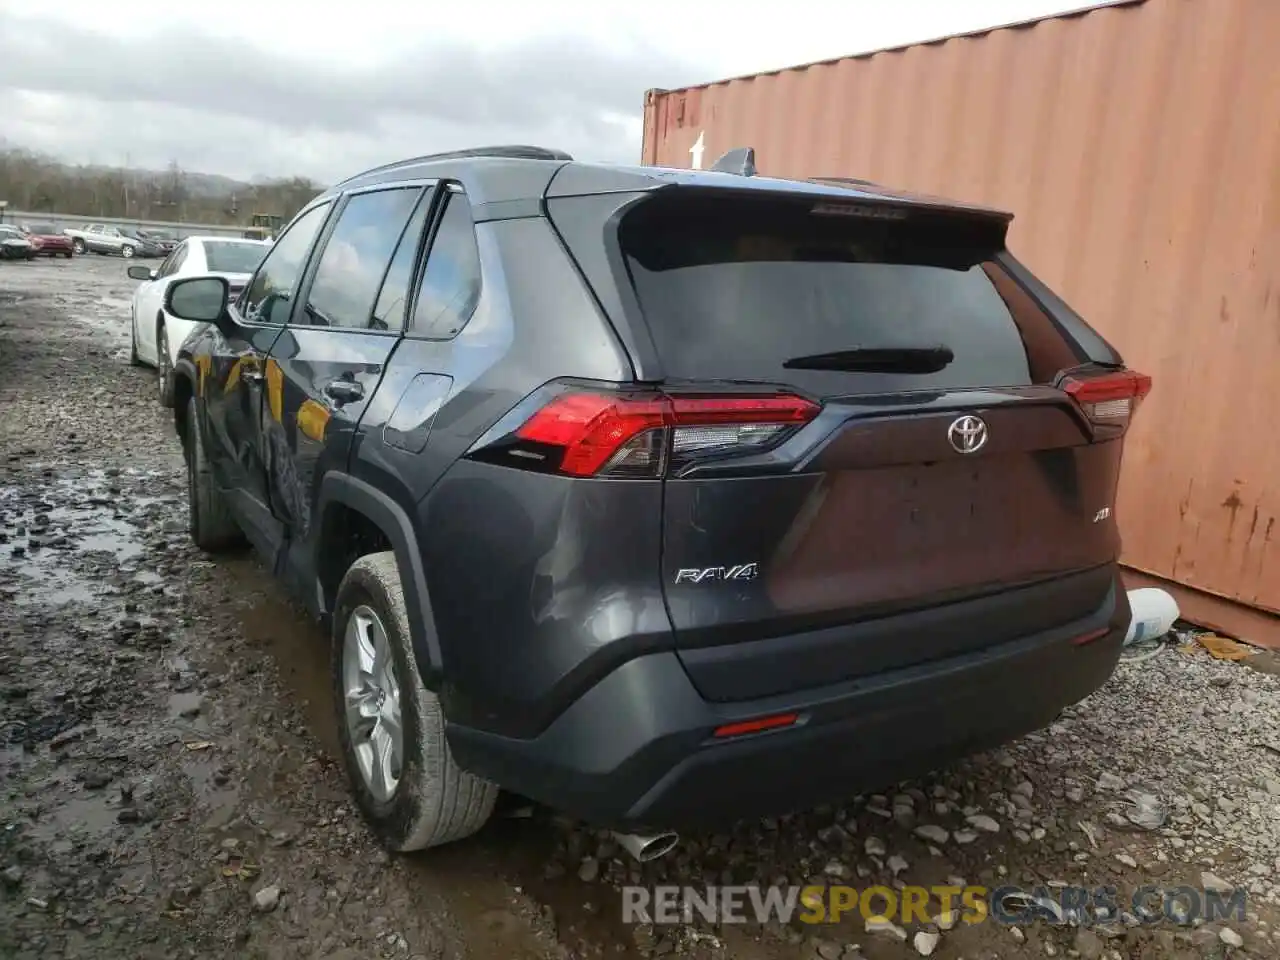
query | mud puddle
(68,542)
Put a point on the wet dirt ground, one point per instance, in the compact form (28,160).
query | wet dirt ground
(169,784)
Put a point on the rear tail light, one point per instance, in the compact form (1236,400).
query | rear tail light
(599,434)
(1111,398)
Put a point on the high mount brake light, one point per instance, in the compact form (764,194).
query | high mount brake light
(602,434)
(1110,398)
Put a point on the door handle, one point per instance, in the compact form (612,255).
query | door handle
(343,391)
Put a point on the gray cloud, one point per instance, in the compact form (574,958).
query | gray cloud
(208,100)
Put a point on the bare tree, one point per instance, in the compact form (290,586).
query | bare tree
(31,181)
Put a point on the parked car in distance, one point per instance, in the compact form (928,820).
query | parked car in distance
(663,497)
(14,244)
(164,241)
(48,241)
(155,335)
(105,239)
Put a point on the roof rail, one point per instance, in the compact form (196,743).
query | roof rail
(510,152)
(741,161)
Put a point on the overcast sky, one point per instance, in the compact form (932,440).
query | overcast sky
(280,87)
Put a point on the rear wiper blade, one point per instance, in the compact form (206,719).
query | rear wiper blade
(877,360)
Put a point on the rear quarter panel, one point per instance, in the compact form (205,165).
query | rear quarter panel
(497,543)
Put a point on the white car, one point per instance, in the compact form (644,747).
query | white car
(155,335)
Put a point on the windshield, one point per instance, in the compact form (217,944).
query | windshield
(44,229)
(228,256)
(10,232)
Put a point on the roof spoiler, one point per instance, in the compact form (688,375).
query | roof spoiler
(740,161)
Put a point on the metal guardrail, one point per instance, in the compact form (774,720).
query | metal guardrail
(65,220)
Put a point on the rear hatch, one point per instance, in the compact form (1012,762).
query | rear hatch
(940,467)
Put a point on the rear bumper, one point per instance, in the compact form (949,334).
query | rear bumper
(636,750)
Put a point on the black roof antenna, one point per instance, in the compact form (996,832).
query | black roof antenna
(741,161)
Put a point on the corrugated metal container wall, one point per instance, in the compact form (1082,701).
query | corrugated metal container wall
(1138,146)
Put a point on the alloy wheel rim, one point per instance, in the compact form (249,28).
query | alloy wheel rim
(371,703)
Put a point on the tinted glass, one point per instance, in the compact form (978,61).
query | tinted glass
(267,299)
(388,312)
(738,289)
(231,257)
(44,230)
(356,256)
(451,282)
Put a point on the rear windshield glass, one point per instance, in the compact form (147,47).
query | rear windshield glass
(44,230)
(231,257)
(740,289)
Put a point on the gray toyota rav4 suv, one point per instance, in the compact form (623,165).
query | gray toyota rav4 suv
(663,497)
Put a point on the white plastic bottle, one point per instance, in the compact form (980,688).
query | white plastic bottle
(1154,613)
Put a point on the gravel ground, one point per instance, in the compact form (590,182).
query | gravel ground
(168,784)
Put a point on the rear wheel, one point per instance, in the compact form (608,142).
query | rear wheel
(164,368)
(212,527)
(392,729)
(126,251)
(67,253)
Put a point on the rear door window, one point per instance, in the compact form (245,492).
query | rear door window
(741,289)
(450,288)
(356,257)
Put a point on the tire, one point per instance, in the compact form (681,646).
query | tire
(212,527)
(68,254)
(433,801)
(164,369)
(134,359)
(77,245)
(127,252)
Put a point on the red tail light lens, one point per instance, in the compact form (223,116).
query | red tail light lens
(1110,398)
(600,434)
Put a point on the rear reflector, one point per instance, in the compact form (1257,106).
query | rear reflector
(757,726)
(1111,397)
(600,434)
(1091,636)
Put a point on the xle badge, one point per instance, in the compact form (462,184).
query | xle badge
(743,571)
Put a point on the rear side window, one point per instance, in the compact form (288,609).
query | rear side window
(450,286)
(741,289)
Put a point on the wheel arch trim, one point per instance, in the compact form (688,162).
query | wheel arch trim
(389,517)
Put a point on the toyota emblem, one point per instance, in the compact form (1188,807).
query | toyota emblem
(967,434)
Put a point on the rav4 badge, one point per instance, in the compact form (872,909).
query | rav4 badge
(741,571)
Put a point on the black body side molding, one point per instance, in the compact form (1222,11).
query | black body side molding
(392,520)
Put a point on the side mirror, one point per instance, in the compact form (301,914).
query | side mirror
(201,299)
(141,273)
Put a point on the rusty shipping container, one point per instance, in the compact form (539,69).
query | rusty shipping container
(1138,146)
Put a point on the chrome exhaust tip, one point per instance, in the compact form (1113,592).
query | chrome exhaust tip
(646,847)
